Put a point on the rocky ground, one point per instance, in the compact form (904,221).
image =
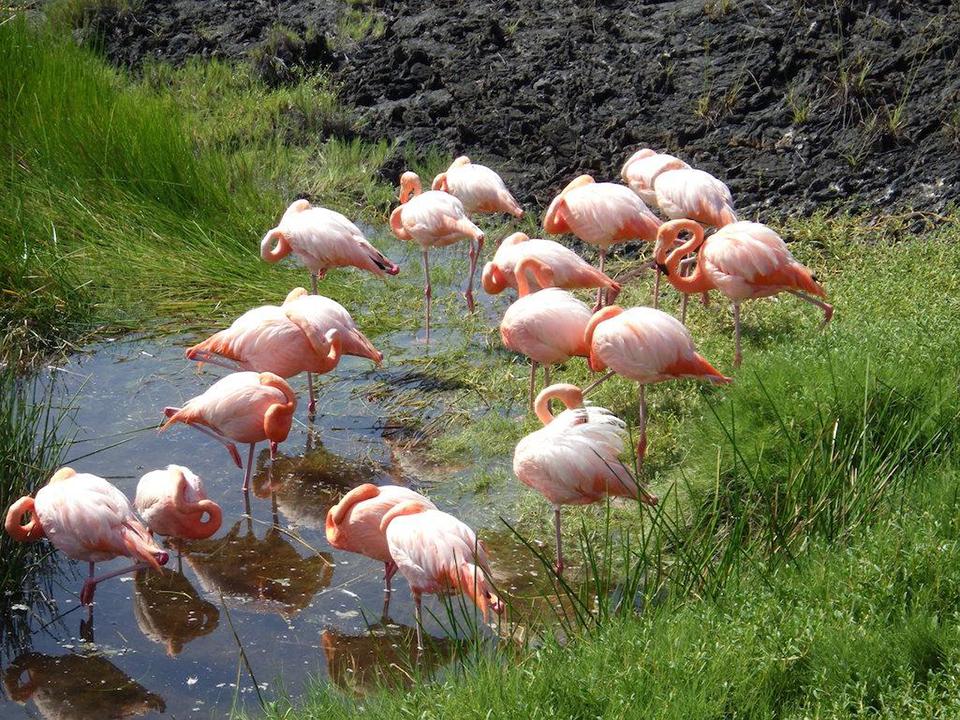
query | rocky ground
(798,106)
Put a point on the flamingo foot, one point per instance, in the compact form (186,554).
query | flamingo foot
(558,567)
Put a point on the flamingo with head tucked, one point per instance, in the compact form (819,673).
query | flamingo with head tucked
(353,524)
(438,554)
(600,214)
(645,345)
(245,407)
(307,333)
(173,503)
(568,270)
(547,326)
(742,260)
(478,187)
(322,239)
(574,458)
(434,219)
(87,519)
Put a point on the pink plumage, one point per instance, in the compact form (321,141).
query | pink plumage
(480,189)
(87,519)
(547,326)
(173,502)
(323,239)
(641,168)
(570,271)
(353,524)
(438,554)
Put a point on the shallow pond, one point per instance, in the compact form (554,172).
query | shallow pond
(267,582)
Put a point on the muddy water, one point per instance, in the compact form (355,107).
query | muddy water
(169,644)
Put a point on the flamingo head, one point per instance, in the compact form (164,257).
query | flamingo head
(493,279)
(23,533)
(638,155)
(279,417)
(439,182)
(409,186)
(196,516)
(668,238)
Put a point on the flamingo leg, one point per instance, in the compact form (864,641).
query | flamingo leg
(231,448)
(313,283)
(389,570)
(600,293)
(683,308)
(312,404)
(475,247)
(546,376)
(427,294)
(642,442)
(826,307)
(556,521)
(603,378)
(416,613)
(533,382)
(90,584)
(656,288)
(737,354)
(248,470)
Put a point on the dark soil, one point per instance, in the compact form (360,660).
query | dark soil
(798,106)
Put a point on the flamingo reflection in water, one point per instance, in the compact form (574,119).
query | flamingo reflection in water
(170,611)
(77,687)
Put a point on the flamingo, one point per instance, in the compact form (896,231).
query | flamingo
(322,239)
(353,524)
(307,333)
(173,502)
(546,326)
(478,187)
(742,260)
(642,167)
(572,459)
(438,554)
(245,407)
(87,519)
(569,270)
(434,219)
(646,345)
(600,214)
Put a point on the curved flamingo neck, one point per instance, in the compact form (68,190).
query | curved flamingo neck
(611,311)
(272,253)
(697,281)
(492,279)
(23,533)
(411,507)
(541,271)
(570,395)
(410,186)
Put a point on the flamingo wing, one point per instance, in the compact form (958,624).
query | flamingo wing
(694,194)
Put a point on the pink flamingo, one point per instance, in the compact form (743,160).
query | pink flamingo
(322,239)
(601,214)
(569,270)
(353,524)
(173,502)
(307,333)
(434,219)
(438,554)
(646,345)
(478,187)
(573,458)
(642,167)
(742,260)
(546,326)
(245,407)
(87,519)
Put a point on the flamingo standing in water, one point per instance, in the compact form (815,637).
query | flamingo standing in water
(87,519)
(478,187)
(245,407)
(601,214)
(173,502)
(573,458)
(322,239)
(353,524)
(569,270)
(438,554)
(742,260)
(307,333)
(434,219)
(546,326)
(646,345)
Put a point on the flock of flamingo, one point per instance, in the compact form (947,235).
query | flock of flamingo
(572,459)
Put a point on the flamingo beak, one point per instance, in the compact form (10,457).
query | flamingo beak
(663,268)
